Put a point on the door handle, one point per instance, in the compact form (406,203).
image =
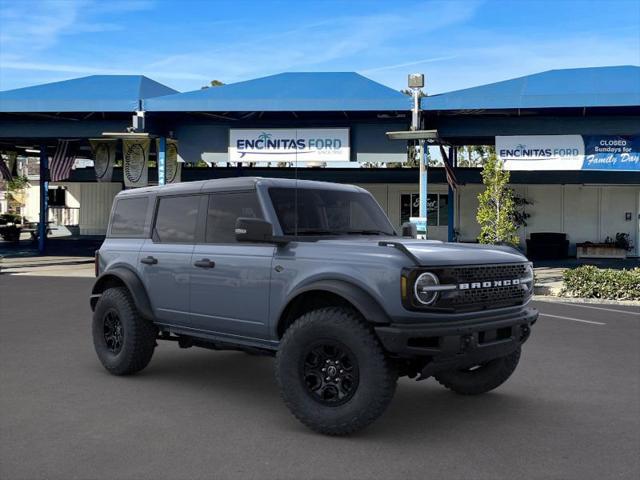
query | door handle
(149,260)
(205,263)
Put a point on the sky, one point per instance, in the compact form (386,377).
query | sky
(185,44)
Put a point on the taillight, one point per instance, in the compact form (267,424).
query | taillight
(96,263)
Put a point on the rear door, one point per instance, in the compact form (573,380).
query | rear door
(165,258)
(230,280)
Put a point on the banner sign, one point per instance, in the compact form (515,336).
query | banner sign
(569,152)
(104,157)
(541,152)
(610,152)
(136,162)
(289,145)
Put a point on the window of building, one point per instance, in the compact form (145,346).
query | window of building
(176,219)
(437,211)
(128,217)
(57,197)
(224,209)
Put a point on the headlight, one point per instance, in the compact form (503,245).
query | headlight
(529,278)
(425,288)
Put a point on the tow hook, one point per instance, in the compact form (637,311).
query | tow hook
(468,342)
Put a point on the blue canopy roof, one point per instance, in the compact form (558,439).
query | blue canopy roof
(96,93)
(577,87)
(297,92)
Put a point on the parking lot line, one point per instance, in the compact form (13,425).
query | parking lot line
(571,318)
(599,308)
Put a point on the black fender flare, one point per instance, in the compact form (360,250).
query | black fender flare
(368,306)
(132,281)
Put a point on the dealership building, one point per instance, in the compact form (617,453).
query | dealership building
(571,139)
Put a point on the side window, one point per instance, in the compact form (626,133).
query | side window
(224,210)
(128,217)
(176,219)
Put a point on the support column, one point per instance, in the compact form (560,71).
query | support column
(44,199)
(162,160)
(423,186)
(453,158)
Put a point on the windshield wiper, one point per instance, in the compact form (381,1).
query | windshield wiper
(311,231)
(366,232)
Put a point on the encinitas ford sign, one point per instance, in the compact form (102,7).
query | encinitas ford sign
(289,145)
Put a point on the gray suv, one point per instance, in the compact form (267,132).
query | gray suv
(314,274)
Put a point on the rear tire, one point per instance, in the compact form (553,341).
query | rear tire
(357,383)
(481,379)
(122,338)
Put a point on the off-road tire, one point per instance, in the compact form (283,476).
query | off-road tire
(482,379)
(377,377)
(138,333)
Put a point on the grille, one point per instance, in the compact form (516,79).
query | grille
(482,298)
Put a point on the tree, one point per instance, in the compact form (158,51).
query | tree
(213,83)
(497,208)
(474,155)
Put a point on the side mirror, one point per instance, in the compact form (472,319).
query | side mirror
(409,230)
(253,230)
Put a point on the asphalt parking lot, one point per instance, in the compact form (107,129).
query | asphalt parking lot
(571,410)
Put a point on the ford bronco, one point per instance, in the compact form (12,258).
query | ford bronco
(314,274)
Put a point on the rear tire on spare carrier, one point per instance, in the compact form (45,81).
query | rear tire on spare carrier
(332,372)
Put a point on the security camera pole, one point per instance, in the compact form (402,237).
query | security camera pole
(416,83)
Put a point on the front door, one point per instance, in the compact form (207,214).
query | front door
(165,259)
(230,281)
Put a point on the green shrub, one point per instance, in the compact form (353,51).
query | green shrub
(588,281)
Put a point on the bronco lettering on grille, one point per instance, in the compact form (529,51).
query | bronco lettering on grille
(488,284)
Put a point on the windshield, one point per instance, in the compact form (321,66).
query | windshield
(328,212)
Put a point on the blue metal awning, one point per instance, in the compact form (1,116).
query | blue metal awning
(96,93)
(570,88)
(288,92)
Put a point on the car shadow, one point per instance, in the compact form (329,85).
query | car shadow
(422,409)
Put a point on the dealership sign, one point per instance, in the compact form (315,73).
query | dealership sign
(569,152)
(289,145)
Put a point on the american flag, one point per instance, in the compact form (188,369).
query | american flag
(62,160)
(4,170)
(448,169)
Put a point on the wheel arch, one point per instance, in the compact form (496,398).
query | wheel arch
(123,277)
(325,293)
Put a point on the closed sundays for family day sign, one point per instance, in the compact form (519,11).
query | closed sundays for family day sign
(569,152)
(289,145)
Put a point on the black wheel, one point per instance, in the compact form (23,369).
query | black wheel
(332,372)
(123,340)
(480,378)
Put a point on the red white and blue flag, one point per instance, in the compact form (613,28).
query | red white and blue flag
(62,160)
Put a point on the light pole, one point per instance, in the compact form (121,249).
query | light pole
(416,83)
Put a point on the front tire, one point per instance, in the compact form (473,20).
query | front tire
(124,341)
(332,373)
(482,378)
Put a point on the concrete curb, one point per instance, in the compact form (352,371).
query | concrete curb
(597,301)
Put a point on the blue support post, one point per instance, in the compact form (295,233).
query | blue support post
(44,199)
(162,160)
(453,153)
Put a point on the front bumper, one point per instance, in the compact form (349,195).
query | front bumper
(448,346)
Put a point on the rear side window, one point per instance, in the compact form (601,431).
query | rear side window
(176,219)
(129,217)
(224,209)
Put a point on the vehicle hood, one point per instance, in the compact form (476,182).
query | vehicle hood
(434,252)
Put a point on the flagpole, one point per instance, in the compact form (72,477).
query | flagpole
(44,199)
